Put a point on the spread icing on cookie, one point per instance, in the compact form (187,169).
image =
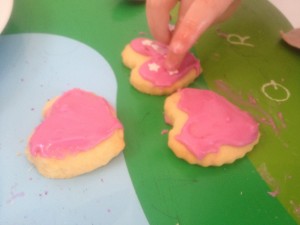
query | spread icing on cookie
(77,121)
(153,69)
(213,122)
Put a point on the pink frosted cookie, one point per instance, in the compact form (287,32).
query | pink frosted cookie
(207,129)
(145,58)
(80,132)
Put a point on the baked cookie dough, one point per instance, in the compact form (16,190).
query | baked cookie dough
(79,133)
(207,129)
(146,58)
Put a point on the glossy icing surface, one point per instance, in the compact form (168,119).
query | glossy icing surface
(153,69)
(77,121)
(212,122)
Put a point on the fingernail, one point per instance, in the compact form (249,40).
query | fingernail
(171,62)
(169,65)
(177,48)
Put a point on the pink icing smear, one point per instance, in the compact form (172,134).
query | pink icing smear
(213,121)
(153,69)
(77,121)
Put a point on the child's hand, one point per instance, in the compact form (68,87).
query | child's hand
(195,16)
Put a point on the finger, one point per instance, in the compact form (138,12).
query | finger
(184,6)
(200,15)
(228,13)
(158,17)
(174,58)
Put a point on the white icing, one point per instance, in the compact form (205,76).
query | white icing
(153,67)
(147,42)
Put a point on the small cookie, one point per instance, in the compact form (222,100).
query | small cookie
(145,58)
(80,132)
(207,129)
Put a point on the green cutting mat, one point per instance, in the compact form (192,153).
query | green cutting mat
(249,64)
(260,75)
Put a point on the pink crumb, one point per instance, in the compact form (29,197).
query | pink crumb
(164,131)
(270,122)
(274,193)
(296,208)
(142,33)
(167,120)
(252,100)
(280,116)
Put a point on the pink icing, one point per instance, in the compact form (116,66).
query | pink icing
(213,121)
(153,69)
(77,121)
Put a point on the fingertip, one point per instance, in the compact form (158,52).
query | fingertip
(158,17)
(177,48)
(173,60)
(162,36)
(169,65)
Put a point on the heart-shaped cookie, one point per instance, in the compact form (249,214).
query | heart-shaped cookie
(208,129)
(79,133)
(148,75)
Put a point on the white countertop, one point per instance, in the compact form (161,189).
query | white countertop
(291,10)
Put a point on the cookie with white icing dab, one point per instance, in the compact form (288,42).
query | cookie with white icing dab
(146,58)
